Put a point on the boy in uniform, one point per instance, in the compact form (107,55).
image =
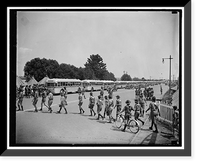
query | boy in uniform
(65,95)
(137,108)
(50,101)
(44,96)
(99,107)
(106,106)
(80,98)
(91,104)
(62,101)
(154,112)
(83,92)
(118,104)
(20,100)
(127,109)
(101,92)
(35,98)
(142,102)
(110,109)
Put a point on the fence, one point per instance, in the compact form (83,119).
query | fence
(170,117)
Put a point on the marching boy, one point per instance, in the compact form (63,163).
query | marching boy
(118,104)
(99,107)
(127,109)
(62,101)
(91,104)
(80,103)
(35,99)
(50,101)
(137,108)
(44,95)
(106,106)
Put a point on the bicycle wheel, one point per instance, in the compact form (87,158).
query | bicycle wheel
(118,122)
(133,126)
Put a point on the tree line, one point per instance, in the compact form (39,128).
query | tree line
(94,68)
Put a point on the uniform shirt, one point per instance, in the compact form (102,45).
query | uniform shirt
(44,95)
(127,109)
(102,92)
(20,96)
(36,95)
(99,103)
(106,102)
(141,100)
(137,107)
(110,104)
(50,96)
(118,103)
(92,100)
(80,98)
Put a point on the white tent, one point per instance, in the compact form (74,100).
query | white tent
(43,81)
(32,81)
(19,82)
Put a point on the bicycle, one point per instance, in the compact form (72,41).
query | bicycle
(132,125)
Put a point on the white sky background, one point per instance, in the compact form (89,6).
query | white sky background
(134,42)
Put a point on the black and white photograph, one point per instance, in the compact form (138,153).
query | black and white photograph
(98,77)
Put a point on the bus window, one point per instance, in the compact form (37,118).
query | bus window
(50,84)
(59,83)
(62,83)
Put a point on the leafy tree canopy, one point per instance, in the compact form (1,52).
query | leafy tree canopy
(94,69)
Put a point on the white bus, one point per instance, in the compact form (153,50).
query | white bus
(92,85)
(108,83)
(55,85)
(120,84)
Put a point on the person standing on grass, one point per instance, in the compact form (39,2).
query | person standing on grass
(80,103)
(99,107)
(91,104)
(154,112)
(118,104)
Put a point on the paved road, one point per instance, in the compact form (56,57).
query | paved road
(71,128)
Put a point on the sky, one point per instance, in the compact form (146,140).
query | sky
(134,42)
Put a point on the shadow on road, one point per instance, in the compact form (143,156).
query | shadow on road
(150,139)
(120,130)
(93,118)
(102,121)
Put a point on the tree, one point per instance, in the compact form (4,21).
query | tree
(96,67)
(136,79)
(109,76)
(126,77)
(39,68)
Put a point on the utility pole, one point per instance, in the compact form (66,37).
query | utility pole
(170,58)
